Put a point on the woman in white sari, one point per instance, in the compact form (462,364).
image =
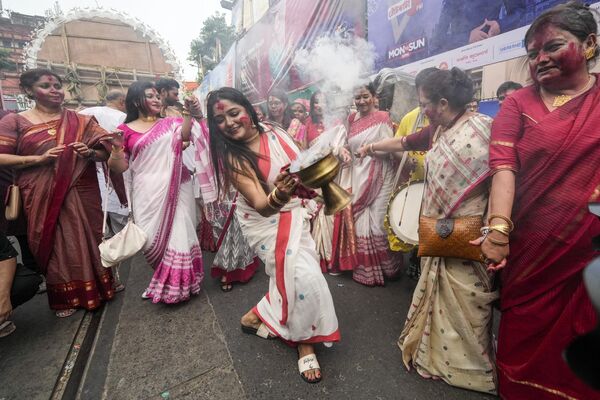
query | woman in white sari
(372,185)
(448,331)
(162,196)
(298,307)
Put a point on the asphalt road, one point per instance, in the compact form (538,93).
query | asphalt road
(196,350)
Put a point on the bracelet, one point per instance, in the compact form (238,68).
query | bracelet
(185,112)
(505,219)
(275,200)
(117,149)
(273,204)
(503,229)
(371,151)
(112,156)
(274,193)
(497,242)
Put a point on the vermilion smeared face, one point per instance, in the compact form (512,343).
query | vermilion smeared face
(555,56)
(48,91)
(233,120)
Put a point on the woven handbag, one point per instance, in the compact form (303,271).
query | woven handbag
(449,237)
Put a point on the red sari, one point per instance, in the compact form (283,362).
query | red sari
(556,158)
(61,201)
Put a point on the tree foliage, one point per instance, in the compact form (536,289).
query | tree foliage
(203,50)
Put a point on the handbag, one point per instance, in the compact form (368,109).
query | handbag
(126,243)
(449,237)
(12,203)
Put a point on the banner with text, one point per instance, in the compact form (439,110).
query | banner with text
(415,34)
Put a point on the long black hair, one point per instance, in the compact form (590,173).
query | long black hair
(287,113)
(225,151)
(135,101)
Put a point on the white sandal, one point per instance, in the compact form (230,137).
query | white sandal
(307,363)
(262,331)
(6,328)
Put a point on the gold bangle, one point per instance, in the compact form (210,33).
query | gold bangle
(275,200)
(502,217)
(273,204)
(503,229)
(275,191)
(497,242)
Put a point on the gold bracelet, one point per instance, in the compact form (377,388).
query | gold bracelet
(503,229)
(502,217)
(273,204)
(497,242)
(275,200)
(275,191)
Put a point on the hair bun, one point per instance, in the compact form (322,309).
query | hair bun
(459,77)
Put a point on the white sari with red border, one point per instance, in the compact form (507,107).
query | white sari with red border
(298,306)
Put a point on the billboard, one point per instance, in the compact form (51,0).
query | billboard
(447,33)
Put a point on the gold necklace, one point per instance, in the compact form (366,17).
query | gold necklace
(50,131)
(563,99)
(150,118)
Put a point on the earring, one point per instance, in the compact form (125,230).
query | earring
(590,52)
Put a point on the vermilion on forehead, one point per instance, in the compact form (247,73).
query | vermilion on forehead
(220,106)
(545,34)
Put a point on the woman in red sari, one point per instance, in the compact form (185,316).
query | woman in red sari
(54,151)
(545,156)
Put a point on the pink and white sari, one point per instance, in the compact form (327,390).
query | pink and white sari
(372,185)
(164,207)
(298,307)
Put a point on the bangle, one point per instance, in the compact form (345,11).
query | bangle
(112,156)
(505,219)
(185,113)
(274,193)
(275,200)
(273,204)
(497,242)
(503,229)
(371,150)
(117,149)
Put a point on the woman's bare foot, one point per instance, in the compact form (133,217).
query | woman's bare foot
(226,286)
(311,375)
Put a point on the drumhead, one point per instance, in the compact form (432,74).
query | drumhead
(403,212)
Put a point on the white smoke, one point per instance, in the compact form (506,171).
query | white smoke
(338,65)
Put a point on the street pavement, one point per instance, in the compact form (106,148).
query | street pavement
(196,350)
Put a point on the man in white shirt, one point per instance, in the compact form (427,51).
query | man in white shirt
(110,117)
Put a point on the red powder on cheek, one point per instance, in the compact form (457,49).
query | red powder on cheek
(245,119)
(570,60)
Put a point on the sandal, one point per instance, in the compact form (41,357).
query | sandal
(119,287)
(308,363)
(262,331)
(226,286)
(66,313)
(6,328)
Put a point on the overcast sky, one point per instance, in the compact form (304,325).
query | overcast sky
(176,21)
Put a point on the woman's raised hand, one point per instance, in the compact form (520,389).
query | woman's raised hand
(193,105)
(286,184)
(52,154)
(117,139)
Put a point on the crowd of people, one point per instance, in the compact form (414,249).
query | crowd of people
(222,183)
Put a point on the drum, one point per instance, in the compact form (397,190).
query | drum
(403,212)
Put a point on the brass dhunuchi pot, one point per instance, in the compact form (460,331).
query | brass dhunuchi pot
(320,175)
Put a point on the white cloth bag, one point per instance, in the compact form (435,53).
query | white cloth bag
(126,243)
